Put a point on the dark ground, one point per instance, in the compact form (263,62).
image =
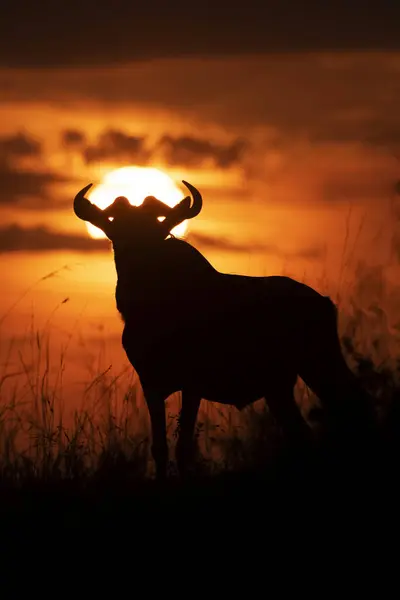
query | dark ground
(338,499)
(330,489)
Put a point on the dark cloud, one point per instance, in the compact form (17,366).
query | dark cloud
(343,190)
(187,151)
(311,253)
(14,238)
(384,134)
(72,137)
(17,185)
(218,243)
(214,243)
(371,130)
(84,33)
(193,152)
(18,146)
(342,97)
(395,245)
(116,145)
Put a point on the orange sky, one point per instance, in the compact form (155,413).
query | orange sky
(281,146)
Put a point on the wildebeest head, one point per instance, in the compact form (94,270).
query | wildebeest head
(130,227)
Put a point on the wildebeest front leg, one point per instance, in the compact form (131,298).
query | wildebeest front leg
(185,447)
(159,448)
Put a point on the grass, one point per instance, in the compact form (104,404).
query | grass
(108,435)
(92,466)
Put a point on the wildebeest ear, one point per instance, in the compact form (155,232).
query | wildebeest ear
(184,209)
(185,203)
(85,210)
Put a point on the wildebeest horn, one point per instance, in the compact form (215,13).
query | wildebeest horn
(197,205)
(184,210)
(81,204)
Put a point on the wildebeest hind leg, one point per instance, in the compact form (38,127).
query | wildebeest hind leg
(287,414)
(324,369)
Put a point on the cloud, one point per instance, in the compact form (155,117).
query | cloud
(301,172)
(72,137)
(330,97)
(344,189)
(188,151)
(15,238)
(17,185)
(18,146)
(218,243)
(91,34)
(193,152)
(315,252)
(338,98)
(116,145)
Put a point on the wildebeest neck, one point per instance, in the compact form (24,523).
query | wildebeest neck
(170,281)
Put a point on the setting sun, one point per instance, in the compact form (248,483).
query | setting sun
(135,183)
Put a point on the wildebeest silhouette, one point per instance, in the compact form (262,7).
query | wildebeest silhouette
(221,337)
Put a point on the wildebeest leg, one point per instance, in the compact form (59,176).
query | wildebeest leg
(349,425)
(159,448)
(287,414)
(186,446)
(324,369)
(348,408)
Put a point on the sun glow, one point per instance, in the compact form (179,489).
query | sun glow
(135,183)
